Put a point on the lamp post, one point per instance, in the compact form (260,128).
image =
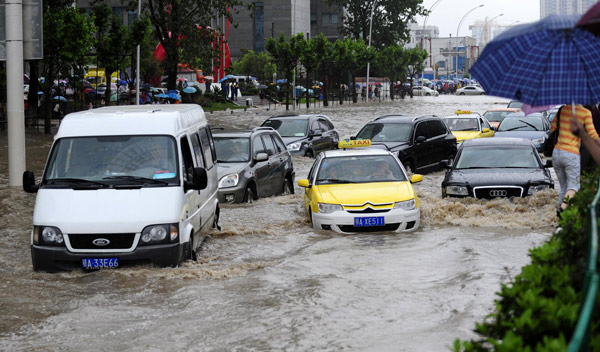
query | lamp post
(423,31)
(458,28)
(369,46)
(486,28)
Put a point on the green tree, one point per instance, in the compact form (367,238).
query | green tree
(390,19)
(393,63)
(255,64)
(61,21)
(181,27)
(287,54)
(322,48)
(415,58)
(311,61)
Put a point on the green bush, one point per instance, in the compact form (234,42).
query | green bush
(539,309)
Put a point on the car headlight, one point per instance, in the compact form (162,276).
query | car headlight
(48,235)
(406,205)
(537,188)
(230,180)
(329,208)
(162,233)
(539,140)
(294,147)
(457,190)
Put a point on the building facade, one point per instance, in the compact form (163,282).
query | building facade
(564,7)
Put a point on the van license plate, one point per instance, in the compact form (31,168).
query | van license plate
(100,263)
(369,221)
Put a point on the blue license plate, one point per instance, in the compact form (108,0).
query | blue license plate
(100,263)
(369,221)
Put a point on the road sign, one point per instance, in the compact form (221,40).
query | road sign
(32,30)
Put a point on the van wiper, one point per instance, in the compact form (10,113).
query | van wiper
(78,181)
(334,180)
(136,179)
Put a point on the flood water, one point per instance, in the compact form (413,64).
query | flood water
(268,282)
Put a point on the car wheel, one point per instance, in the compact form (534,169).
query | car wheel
(249,196)
(189,253)
(309,154)
(427,94)
(310,216)
(409,168)
(462,93)
(288,187)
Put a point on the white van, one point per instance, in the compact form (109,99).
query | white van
(125,184)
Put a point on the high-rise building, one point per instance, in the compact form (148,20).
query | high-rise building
(564,7)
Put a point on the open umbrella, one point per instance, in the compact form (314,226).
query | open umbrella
(262,86)
(174,96)
(59,98)
(281,81)
(590,21)
(161,95)
(548,62)
(189,90)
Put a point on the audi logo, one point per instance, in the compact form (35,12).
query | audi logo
(101,242)
(498,193)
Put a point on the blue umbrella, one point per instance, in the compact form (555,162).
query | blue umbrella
(161,95)
(225,78)
(59,98)
(189,90)
(280,81)
(548,62)
(174,91)
(174,96)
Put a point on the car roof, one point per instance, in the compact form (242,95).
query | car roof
(296,116)
(355,151)
(239,133)
(499,141)
(469,116)
(399,118)
(505,109)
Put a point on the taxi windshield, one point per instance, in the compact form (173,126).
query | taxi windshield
(288,127)
(389,132)
(113,159)
(359,169)
(477,157)
(496,116)
(232,150)
(462,124)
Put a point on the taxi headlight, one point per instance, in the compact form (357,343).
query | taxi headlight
(536,188)
(406,205)
(457,190)
(294,147)
(48,235)
(230,180)
(329,208)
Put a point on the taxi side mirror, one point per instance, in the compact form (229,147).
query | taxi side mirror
(416,178)
(486,130)
(303,183)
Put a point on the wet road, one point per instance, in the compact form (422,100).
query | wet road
(268,282)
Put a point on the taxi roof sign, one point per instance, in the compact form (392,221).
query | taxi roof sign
(353,143)
(459,112)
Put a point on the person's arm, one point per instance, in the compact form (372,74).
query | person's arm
(592,145)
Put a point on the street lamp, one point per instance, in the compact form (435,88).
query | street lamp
(458,28)
(423,31)
(486,26)
(369,46)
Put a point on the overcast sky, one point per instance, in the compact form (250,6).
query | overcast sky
(447,13)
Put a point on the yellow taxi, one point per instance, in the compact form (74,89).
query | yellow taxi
(360,190)
(465,124)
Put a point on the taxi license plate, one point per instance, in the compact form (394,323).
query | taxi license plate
(369,221)
(100,263)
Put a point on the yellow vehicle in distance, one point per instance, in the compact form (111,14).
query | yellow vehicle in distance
(466,124)
(97,76)
(360,190)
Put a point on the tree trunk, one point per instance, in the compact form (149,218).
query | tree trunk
(326,91)
(354,95)
(48,102)
(107,76)
(308,86)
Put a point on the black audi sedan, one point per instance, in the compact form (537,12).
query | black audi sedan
(488,168)
(420,142)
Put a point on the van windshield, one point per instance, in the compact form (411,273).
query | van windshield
(113,160)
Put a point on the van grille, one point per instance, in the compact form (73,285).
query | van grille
(116,240)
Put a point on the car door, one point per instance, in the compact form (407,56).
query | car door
(485,125)
(328,134)
(276,161)
(208,195)
(422,148)
(318,141)
(193,200)
(437,141)
(262,169)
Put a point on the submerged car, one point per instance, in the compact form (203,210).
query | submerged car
(467,125)
(489,168)
(534,127)
(360,190)
(305,135)
(420,142)
(470,90)
(252,164)
(424,91)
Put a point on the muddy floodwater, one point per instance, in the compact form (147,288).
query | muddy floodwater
(267,281)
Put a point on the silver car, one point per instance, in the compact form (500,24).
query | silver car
(252,164)
(470,90)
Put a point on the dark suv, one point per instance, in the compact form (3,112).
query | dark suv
(305,135)
(421,142)
(252,164)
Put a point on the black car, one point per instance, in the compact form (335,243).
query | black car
(305,135)
(252,164)
(421,142)
(489,168)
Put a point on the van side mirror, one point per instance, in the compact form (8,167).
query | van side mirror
(261,157)
(200,178)
(548,163)
(29,185)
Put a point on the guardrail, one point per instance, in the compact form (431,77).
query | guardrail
(581,336)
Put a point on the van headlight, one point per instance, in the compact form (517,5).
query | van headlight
(162,233)
(539,140)
(329,208)
(457,191)
(294,147)
(537,188)
(48,235)
(230,180)
(406,205)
